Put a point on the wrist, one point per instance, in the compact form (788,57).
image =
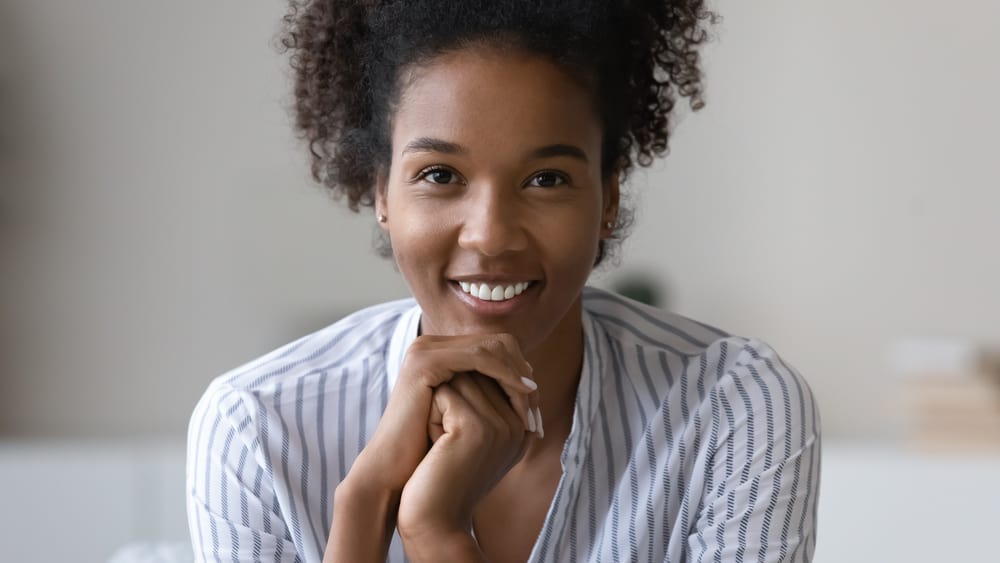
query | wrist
(358,492)
(362,523)
(441,545)
(371,476)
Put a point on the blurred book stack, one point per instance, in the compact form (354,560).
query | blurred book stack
(950,395)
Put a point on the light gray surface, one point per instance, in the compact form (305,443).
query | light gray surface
(150,552)
(879,504)
(83,502)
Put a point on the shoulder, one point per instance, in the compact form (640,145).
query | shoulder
(356,343)
(758,386)
(700,364)
(633,323)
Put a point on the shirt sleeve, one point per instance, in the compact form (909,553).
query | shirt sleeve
(760,501)
(233,511)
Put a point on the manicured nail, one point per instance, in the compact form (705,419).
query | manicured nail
(538,417)
(531,421)
(529,383)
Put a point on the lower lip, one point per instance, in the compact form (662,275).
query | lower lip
(492,307)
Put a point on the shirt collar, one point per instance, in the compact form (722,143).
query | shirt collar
(588,393)
(402,336)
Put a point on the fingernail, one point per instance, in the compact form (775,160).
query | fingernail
(529,383)
(541,429)
(531,421)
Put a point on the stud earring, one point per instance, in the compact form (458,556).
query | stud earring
(382,218)
(609,224)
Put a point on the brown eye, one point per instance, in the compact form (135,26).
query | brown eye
(548,179)
(438,176)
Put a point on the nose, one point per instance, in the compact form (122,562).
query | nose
(493,222)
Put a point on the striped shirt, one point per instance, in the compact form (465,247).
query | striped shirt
(687,444)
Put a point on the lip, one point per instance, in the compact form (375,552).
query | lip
(491,279)
(492,307)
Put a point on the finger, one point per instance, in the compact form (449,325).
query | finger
(467,386)
(454,409)
(539,427)
(435,421)
(523,434)
(495,361)
(521,403)
(493,393)
(496,355)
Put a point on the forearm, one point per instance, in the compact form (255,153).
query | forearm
(363,522)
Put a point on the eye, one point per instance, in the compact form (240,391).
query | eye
(548,179)
(438,175)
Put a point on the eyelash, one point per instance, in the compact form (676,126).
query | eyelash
(563,179)
(426,172)
(423,174)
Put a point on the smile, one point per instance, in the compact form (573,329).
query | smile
(498,292)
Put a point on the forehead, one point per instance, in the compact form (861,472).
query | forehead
(486,96)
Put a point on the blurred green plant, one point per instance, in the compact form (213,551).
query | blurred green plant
(640,287)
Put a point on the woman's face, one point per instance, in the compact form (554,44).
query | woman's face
(495,180)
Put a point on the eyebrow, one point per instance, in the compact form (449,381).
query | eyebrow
(550,151)
(430,144)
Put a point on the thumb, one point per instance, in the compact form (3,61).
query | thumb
(439,405)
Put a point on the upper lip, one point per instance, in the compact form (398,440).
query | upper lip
(492,278)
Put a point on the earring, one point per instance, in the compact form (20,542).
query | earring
(382,218)
(609,224)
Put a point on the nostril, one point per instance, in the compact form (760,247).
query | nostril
(493,240)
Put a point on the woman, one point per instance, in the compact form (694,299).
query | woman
(506,413)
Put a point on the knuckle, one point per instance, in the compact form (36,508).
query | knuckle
(472,424)
(415,355)
(507,340)
(414,366)
(426,376)
(491,345)
(420,344)
(421,373)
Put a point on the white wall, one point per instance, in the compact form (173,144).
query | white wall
(840,190)
(159,227)
(163,228)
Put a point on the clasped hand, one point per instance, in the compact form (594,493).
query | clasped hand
(460,416)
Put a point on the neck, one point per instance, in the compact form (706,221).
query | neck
(557,364)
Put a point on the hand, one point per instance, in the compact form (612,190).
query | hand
(400,441)
(477,437)
(366,501)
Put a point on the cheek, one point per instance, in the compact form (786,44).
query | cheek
(419,244)
(572,245)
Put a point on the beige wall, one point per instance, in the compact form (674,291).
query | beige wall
(840,191)
(158,225)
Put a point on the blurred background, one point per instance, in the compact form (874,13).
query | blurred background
(837,197)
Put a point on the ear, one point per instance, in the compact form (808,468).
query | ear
(609,203)
(381,198)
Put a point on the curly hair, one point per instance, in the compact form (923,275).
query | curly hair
(347,57)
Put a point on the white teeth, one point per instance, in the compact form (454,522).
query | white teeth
(496,293)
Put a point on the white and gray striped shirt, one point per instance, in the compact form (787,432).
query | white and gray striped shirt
(687,444)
